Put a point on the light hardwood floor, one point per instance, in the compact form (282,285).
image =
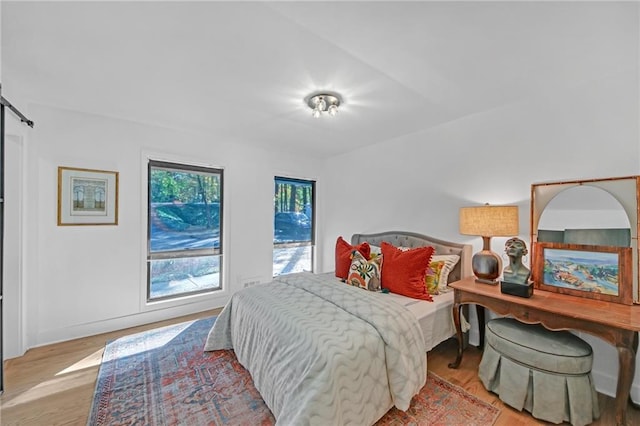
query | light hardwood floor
(53,385)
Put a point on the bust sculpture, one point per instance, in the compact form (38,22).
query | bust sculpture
(516,272)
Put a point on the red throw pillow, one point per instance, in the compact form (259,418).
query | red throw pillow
(403,271)
(343,256)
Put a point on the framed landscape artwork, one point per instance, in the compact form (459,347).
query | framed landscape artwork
(87,197)
(594,272)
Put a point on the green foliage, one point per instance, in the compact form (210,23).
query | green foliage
(185,187)
(292,196)
(169,219)
(179,217)
(183,199)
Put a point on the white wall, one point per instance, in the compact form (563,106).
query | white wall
(89,279)
(419,182)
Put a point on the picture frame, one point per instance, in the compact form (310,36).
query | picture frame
(87,197)
(590,271)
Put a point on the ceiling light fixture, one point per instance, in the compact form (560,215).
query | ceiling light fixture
(323,102)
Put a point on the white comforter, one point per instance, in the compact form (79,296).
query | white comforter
(322,352)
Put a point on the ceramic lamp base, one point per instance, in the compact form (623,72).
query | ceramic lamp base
(487,267)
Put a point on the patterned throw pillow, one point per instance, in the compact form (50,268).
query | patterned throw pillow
(432,278)
(365,273)
(450,261)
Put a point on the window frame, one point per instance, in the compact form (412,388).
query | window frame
(185,253)
(312,242)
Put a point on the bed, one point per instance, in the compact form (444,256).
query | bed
(434,317)
(322,352)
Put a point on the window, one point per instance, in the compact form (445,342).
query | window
(184,249)
(293,225)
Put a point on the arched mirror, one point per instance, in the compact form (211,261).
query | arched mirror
(585,215)
(591,219)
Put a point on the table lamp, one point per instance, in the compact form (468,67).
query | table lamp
(488,221)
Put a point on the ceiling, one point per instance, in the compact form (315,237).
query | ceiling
(239,71)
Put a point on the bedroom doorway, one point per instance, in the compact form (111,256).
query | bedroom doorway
(293,225)
(10,264)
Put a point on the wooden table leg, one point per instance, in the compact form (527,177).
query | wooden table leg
(634,345)
(626,371)
(625,377)
(456,322)
(481,324)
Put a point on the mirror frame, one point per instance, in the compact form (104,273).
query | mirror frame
(624,189)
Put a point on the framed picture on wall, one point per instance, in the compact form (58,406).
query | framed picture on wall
(594,272)
(87,197)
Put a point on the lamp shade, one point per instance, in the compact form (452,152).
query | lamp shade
(489,221)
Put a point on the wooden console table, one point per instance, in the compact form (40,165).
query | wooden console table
(615,323)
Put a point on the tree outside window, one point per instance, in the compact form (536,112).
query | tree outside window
(184,230)
(293,225)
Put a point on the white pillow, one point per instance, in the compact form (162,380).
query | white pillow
(450,261)
(375,249)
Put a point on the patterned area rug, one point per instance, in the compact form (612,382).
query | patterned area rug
(163,377)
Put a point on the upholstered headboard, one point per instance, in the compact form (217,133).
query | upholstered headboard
(412,239)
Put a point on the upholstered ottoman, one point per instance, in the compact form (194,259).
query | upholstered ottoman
(548,373)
